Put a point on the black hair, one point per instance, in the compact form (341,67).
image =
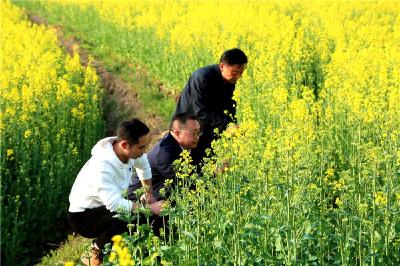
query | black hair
(183,118)
(233,56)
(132,130)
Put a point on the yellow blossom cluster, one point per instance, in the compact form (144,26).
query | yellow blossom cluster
(318,113)
(50,116)
(380,199)
(120,253)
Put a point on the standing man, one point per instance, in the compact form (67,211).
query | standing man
(184,135)
(96,193)
(208,95)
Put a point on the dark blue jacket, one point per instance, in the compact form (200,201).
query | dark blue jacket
(161,158)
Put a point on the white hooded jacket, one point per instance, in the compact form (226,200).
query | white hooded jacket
(104,178)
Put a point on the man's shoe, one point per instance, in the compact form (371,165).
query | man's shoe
(95,258)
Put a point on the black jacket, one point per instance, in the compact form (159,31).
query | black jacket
(207,96)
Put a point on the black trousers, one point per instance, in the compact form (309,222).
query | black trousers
(100,224)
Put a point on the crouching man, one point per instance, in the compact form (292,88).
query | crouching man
(96,193)
(184,134)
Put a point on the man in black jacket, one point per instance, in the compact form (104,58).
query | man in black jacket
(208,95)
(184,135)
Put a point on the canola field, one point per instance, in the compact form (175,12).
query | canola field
(314,165)
(50,117)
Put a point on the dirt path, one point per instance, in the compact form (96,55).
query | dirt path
(120,99)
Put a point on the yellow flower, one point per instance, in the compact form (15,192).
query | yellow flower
(116,239)
(27,133)
(330,172)
(69,263)
(168,182)
(312,186)
(10,152)
(380,199)
(398,198)
(166,204)
(338,185)
(112,257)
(338,202)
(362,208)
(75,151)
(10,111)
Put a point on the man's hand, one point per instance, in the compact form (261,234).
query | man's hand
(220,169)
(148,198)
(231,129)
(156,207)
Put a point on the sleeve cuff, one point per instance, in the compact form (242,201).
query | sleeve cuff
(144,176)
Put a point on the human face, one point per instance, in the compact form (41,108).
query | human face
(137,150)
(231,73)
(188,136)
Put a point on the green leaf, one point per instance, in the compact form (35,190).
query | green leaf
(278,243)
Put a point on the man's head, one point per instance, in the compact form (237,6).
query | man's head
(232,64)
(133,137)
(185,128)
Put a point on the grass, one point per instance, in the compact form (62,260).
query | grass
(147,87)
(73,248)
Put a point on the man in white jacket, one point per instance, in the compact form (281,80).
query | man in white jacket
(96,194)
